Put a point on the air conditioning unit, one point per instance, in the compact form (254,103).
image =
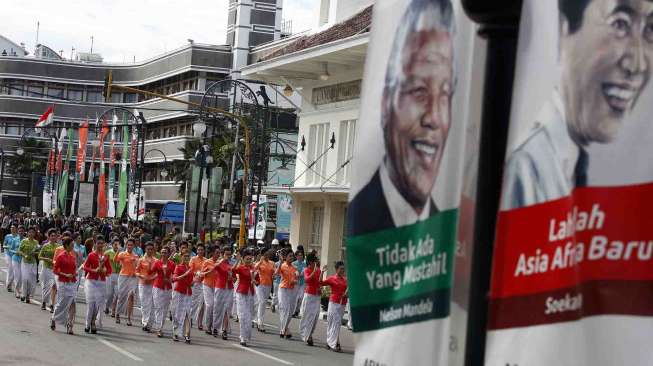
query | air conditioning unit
(225,219)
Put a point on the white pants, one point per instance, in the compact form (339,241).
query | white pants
(126,287)
(244,303)
(262,294)
(47,283)
(334,322)
(18,278)
(10,271)
(310,314)
(145,294)
(96,292)
(198,302)
(287,302)
(183,308)
(208,295)
(112,290)
(80,277)
(299,291)
(275,293)
(221,304)
(28,276)
(161,300)
(66,292)
(232,306)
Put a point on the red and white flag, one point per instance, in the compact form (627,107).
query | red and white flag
(46,118)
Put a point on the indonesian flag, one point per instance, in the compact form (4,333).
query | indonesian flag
(46,118)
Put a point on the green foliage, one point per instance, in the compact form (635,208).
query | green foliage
(34,159)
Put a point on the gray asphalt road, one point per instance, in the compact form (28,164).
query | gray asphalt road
(25,339)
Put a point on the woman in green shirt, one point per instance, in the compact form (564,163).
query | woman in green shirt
(112,281)
(48,283)
(28,250)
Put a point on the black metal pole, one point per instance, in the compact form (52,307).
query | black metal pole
(209,175)
(499,25)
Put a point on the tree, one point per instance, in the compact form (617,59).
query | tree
(33,159)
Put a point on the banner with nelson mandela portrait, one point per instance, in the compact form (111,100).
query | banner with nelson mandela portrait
(403,209)
(572,279)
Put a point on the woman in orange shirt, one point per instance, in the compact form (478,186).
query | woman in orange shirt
(198,296)
(265,269)
(146,280)
(207,286)
(127,282)
(287,297)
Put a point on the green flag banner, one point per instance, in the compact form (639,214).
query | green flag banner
(63,185)
(122,189)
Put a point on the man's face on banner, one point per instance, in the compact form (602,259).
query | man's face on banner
(417,114)
(605,65)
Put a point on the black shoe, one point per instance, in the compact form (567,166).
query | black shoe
(42,306)
(187,339)
(93,331)
(51,309)
(159,335)
(22,298)
(243,344)
(9,289)
(310,342)
(215,333)
(273,308)
(106,311)
(175,338)
(288,336)
(224,335)
(87,330)
(281,336)
(52,325)
(338,349)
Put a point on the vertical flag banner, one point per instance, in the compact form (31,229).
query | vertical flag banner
(58,168)
(47,189)
(403,205)
(133,161)
(80,162)
(102,194)
(122,189)
(111,212)
(63,185)
(572,276)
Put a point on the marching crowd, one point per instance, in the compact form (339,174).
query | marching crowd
(195,284)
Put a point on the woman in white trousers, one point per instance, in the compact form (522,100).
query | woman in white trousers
(183,278)
(146,278)
(97,268)
(195,264)
(48,283)
(312,295)
(28,250)
(127,282)
(337,303)
(162,290)
(208,274)
(65,268)
(287,294)
(223,293)
(245,295)
(265,269)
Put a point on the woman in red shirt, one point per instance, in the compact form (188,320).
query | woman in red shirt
(162,289)
(287,297)
(311,303)
(245,294)
(337,303)
(97,267)
(65,268)
(183,279)
(224,293)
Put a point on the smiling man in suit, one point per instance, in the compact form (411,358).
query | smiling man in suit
(415,117)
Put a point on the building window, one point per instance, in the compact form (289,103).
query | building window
(16,88)
(94,96)
(131,98)
(35,90)
(76,94)
(55,92)
(13,128)
(346,137)
(318,142)
(116,97)
(317,218)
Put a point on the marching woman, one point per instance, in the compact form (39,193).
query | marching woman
(97,268)
(80,252)
(183,278)
(265,269)
(198,295)
(127,282)
(337,303)
(48,285)
(28,250)
(112,281)
(208,276)
(145,281)
(9,254)
(162,291)
(224,290)
(16,262)
(245,273)
(287,297)
(299,265)
(65,267)
(311,303)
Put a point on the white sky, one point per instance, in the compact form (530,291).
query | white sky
(123,29)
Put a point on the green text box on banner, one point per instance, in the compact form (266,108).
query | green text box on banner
(402,275)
